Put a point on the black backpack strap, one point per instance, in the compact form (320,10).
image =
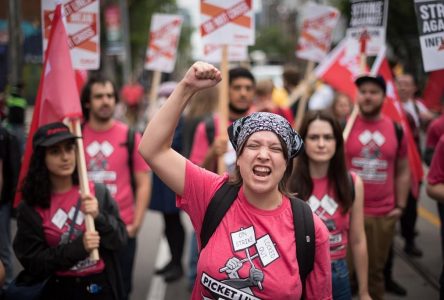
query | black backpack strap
(209,129)
(304,236)
(216,210)
(130,140)
(399,133)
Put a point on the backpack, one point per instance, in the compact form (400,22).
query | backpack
(302,220)
(11,164)
(130,141)
(209,129)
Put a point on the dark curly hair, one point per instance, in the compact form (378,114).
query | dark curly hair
(36,186)
(85,96)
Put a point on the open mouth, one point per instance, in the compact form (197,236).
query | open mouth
(261,171)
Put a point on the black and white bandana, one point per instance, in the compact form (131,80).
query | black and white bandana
(241,129)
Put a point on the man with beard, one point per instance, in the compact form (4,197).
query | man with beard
(108,161)
(373,152)
(240,95)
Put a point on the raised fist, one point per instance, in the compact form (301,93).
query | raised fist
(202,75)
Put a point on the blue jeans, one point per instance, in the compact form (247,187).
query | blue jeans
(340,280)
(5,241)
(192,262)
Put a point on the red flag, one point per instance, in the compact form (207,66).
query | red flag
(81,77)
(393,109)
(340,69)
(57,97)
(434,90)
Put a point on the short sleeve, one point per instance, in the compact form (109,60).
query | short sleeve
(436,171)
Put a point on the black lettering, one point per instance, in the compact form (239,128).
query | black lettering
(205,280)
(433,42)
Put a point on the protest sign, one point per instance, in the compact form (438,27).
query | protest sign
(430,16)
(164,38)
(83,29)
(316,33)
(369,19)
(229,22)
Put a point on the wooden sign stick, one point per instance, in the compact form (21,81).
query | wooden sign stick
(223,104)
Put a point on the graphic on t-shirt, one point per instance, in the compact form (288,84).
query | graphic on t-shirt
(98,164)
(236,287)
(325,209)
(369,164)
(64,221)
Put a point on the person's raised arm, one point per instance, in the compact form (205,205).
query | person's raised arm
(155,146)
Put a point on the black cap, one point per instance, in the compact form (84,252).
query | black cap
(51,134)
(378,80)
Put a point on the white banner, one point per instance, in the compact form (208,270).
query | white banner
(430,16)
(368,21)
(82,23)
(316,33)
(164,39)
(228,22)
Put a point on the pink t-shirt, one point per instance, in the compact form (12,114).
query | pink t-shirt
(371,151)
(323,204)
(57,221)
(436,171)
(201,146)
(435,131)
(106,156)
(250,246)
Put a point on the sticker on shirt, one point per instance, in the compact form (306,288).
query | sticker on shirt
(250,250)
(369,165)
(335,238)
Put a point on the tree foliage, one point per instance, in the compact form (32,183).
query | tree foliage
(278,45)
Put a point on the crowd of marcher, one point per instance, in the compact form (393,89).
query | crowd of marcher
(241,187)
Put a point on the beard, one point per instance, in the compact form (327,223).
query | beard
(237,110)
(373,112)
(102,117)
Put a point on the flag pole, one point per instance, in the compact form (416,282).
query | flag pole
(363,66)
(223,104)
(83,179)
(302,104)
